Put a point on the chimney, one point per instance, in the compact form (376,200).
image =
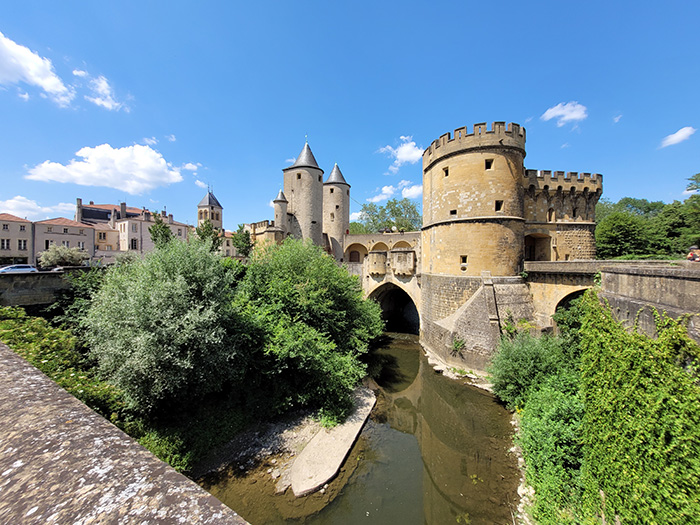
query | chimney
(79,210)
(170,218)
(122,210)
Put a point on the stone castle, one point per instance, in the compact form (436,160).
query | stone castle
(484,215)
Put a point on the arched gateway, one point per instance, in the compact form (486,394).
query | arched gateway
(398,309)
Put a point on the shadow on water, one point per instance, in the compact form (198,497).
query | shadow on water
(435,451)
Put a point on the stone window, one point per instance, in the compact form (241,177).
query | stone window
(65,230)
(22,227)
(134,228)
(453,212)
(81,232)
(49,229)
(108,248)
(320,179)
(348,193)
(101,236)
(551,216)
(488,164)
(5,226)
(134,244)
(81,245)
(337,206)
(332,217)
(499,205)
(331,190)
(22,244)
(179,232)
(354,256)
(463,260)
(4,244)
(65,243)
(446,171)
(298,176)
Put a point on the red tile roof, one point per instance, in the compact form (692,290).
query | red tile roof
(9,217)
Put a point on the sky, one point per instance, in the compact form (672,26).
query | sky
(152,103)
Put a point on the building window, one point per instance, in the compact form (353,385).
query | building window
(134,228)
(49,229)
(65,243)
(22,227)
(298,176)
(179,232)
(337,206)
(81,245)
(22,244)
(81,232)
(332,217)
(134,244)
(108,248)
(5,226)
(550,215)
(102,236)
(4,244)
(499,205)
(354,256)
(331,190)
(228,243)
(65,230)
(446,171)
(47,244)
(320,179)
(463,259)
(488,164)
(453,212)
(228,252)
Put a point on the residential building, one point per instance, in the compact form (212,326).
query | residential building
(16,240)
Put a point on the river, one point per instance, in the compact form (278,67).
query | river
(435,451)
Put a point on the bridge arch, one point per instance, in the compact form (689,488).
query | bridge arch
(356,253)
(401,244)
(379,247)
(399,310)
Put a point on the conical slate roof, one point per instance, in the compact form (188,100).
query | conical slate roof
(280,197)
(305,159)
(209,200)
(336,177)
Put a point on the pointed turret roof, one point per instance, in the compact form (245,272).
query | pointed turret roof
(305,159)
(209,200)
(336,177)
(280,197)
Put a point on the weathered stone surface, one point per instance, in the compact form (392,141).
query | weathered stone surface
(322,458)
(60,462)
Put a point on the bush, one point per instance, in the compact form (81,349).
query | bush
(524,363)
(58,255)
(309,318)
(158,328)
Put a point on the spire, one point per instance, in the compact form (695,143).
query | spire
(336,177)
(280,197)
(305,159)
(209,200)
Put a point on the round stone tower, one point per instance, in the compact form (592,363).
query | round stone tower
(210,209)
(473,217)
(303,187)
(336,210)
(280,203)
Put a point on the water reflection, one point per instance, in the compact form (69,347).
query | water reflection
(434,452)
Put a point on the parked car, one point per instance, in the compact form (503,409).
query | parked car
(18,268)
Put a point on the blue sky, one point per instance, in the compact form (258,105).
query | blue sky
(150,102)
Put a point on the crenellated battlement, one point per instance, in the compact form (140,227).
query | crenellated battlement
(500,135)
(553,180)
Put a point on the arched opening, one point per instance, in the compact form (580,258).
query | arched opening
(398,309)
(355,253)
(566,301)
(538,247)
(401,244)
(379,247)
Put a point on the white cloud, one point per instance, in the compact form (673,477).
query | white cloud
(386,193)
(23,96)
(24,207)
(617,118)
(564,113)
(103,95)
(80,73)
(152,141)
(290,161)
(355,216)
(135,169)
(271,204)
(21,64)
(171,138)
(191,166)
(406,152)
(201,184)
(412,192)
(679,136)
(565,145)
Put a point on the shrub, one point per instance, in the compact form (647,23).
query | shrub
(58,255)
(158,327)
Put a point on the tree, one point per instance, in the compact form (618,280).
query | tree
(400,214)
(241,241)
(621,234)
(62,256)
(160,328)
(207,232)
(357,228)
(160,233)
(694,184)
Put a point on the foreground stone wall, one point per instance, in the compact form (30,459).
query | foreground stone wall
(60,462)
(28,289)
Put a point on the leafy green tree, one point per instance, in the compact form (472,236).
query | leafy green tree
(160,233)
(242,242)
(620,234)
(207,232)
(62,256)
(401,214)
(640,206)
(310,319)
(694,184)
(159,328)
(357,228)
